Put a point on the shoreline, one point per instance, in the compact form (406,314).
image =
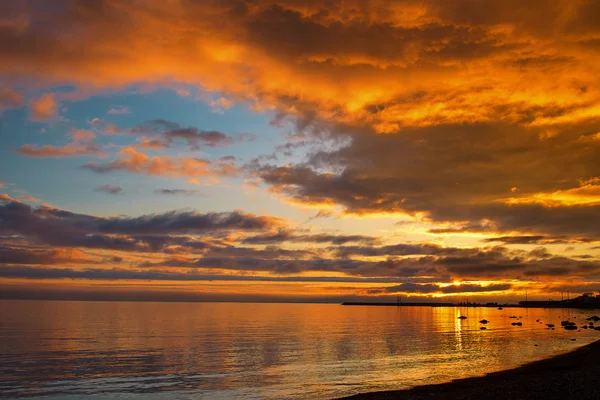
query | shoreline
(531,304)
(572,375)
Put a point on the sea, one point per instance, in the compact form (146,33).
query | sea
(145,350)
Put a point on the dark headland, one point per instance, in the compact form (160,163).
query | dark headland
(574,375)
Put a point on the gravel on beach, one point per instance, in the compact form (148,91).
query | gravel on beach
(575,375)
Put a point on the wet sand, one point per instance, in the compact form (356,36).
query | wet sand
(575,375)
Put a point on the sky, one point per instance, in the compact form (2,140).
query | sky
(299,150)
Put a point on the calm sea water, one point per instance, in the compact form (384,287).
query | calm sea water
(105,350)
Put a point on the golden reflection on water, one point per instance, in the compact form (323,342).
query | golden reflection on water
(458,330)
(260,350)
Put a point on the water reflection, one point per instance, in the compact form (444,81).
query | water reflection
(226,350)
(458,330)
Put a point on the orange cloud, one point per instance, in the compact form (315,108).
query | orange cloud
(43,108)
(81,145)
(146,143)
(405,65)
(6,197)
(444,106)
(220,104)
(134,161)
(29,198)
(588,193)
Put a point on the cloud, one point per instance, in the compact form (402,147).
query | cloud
(215,241)
(399,250)
(81,145)
(68,150)
(454,263)
(110,189)
(10,99)
(194,137)
(44,218)
(119,110)
(324,54)
(442,114)
(58,227)
(41,256)
(220,105)
(172,192)
(23,256)
(6,197)
(449,289)
(437,173)
(461,115)
(161,133)
(324,214)
(530,239)
(134,161)
(43,108)
(290,236)
(588,192)
(145,143)
(118,274)
(29,198)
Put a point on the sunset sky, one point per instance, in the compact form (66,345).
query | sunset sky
(299,150)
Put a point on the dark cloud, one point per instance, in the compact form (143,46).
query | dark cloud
(110,189)
(193,241)
(195,137)
(58,227)
(563,267)
(127,274)
(173,192)
(167,132)
(290,236)
(535,17)
(539,252)
(163,232)
(449,173)
(448,264)
(583,287)
(323,214)
(400,250)
(584,256)
(289,33)
(186,222)
(450,289)
(12,255)
(525,239)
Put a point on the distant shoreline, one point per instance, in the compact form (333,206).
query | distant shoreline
(349,303)
(529,305)
(573,375)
